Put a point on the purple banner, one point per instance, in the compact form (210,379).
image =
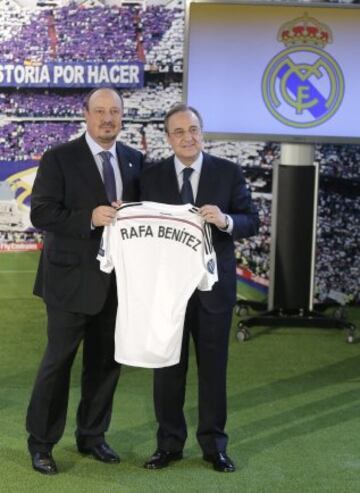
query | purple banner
(79,74)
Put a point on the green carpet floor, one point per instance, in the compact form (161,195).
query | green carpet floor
(293,418)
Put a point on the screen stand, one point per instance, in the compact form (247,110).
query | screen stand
(292,254)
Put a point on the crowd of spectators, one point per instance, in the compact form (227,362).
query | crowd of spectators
(21,139)
(20,237)
(338,236)
(112,33)
(41,104)
(337,261)
(108,32)
(10,141)
(37,137)
(338,239)
(254,253)
(341,161)
(150,102)
(33,120)
(12,18)
(29,40)
(167,54)
(20,142)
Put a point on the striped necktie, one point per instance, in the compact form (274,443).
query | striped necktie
(108,175)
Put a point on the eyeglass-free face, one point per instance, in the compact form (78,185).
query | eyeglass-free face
(104,117)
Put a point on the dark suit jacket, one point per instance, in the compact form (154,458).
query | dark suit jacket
(221,183)
(67,188)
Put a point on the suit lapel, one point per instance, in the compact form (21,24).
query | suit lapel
(169,184)
(86,163)
(207,183)
(125,164)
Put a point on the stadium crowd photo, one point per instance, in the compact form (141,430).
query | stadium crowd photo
(288,398)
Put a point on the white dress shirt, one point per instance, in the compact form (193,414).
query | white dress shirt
(194,180)
(95,149)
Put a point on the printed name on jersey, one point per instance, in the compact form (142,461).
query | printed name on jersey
(161,253)
(165,232)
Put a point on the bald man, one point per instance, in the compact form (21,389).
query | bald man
(76,190)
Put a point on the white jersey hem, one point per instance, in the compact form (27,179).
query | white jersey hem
(142,364)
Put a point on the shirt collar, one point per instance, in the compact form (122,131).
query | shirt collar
(196,165)
(95,148)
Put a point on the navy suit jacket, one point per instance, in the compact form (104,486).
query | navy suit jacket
(67,188)
(221,183)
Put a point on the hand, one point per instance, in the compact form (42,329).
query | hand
(103,215)
(212,214)
(117,203)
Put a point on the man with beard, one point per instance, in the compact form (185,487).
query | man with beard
(76,190)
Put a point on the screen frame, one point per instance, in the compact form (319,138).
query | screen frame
(263,137)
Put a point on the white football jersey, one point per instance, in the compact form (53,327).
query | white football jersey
(161,253)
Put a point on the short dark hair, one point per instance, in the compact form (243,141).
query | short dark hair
(93,91)
(179,108)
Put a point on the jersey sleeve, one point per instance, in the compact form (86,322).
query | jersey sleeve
(210,276)
(104,254)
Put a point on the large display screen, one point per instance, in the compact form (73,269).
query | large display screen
(275,71)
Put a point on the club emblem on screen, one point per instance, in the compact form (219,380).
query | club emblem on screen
(303,86)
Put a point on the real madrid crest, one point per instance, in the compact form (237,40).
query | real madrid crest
(303,86)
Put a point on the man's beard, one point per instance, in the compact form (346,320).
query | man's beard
(108,137)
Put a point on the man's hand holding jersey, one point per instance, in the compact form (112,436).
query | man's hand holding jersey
(103,215)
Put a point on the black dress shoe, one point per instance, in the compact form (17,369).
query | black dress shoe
(101,452)
(161,459)
(220,461)
(44,463)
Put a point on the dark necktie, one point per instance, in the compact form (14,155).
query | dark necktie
(108,175)
(186,189)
